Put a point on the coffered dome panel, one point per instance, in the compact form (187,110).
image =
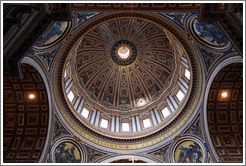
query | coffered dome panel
(125,83)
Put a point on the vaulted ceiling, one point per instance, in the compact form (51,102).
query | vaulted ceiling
(25,120)
(225,114)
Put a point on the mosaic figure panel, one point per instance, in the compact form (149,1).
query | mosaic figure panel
(67,152)
(188,152)
(210,33)
(55,31)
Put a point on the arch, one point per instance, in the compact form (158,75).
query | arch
(224,63)
(32,62)
(115,158)
(26,117)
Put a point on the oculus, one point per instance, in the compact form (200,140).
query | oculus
(123,52)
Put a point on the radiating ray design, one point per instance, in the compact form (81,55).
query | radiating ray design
(122,87)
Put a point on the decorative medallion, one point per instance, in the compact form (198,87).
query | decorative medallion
(123,52)
(188,150)
(53,35)
(209,34)
(66,151)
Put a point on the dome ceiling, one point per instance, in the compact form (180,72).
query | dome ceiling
(125,64)
(128,77)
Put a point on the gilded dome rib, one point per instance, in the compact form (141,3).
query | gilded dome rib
(99,38)
(143,86)
(116,90)
(166,68)
(152,75)
(106,29)
(131,22)
(96,74)
(105,83)
(119,28)
(89,63)
(131,95)
(139,30)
